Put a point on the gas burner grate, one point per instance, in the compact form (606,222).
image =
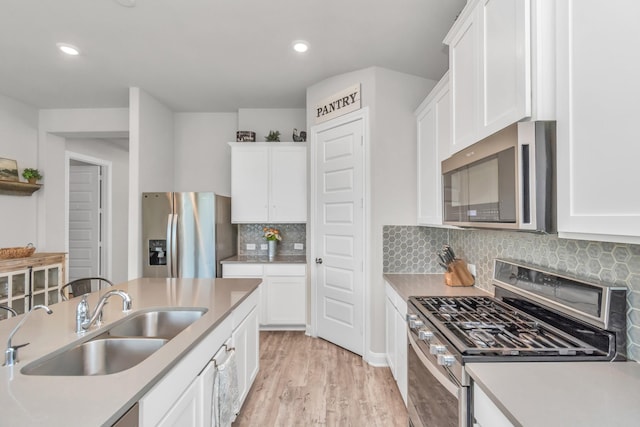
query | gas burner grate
(485,325)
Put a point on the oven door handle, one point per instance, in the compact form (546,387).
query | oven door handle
(449,382)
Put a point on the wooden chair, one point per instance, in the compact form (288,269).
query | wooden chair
(82,286)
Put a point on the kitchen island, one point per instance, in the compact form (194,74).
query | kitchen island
(103,399)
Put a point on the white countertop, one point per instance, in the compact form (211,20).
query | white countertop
(585,394)
(408,285)
(100,400)
(264,259)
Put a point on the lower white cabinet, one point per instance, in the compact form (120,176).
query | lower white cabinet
(245,339)
(396,335)
(183,397)
(485,412)
(283,292)
(188,410)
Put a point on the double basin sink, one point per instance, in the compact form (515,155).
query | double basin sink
(121,346)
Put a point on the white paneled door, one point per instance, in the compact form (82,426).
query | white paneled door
(84,221)
(338,233)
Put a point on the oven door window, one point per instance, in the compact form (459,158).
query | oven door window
(429,402)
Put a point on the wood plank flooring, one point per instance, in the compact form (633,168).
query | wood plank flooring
(306,381)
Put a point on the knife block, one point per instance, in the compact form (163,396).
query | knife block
(457,274)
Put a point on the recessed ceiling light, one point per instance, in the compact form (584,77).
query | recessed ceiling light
(68,49)
(300,46)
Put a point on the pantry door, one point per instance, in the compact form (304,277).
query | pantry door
(85,221)
(338,231)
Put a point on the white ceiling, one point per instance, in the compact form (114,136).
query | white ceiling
(210,55)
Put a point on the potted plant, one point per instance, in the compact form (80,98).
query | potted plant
(274,136)
(31,175)
(272,235)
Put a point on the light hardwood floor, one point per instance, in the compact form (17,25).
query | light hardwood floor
(306,381)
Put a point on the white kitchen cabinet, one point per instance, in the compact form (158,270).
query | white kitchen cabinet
(283,292)
(485,412)
(390,333)
(434,140)
(25,282)
(597,131)
(188,410)
(464,70)
(498,49)
(184,395)
(245,339)
(249,183)
(505,67)
(268,182)
(396,333)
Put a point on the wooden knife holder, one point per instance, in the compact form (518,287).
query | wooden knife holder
(457,274)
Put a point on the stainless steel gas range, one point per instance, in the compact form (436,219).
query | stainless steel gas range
(536,315)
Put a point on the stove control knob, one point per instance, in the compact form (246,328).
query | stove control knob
(437,349)
(425,334)
(415,323)
(446,359)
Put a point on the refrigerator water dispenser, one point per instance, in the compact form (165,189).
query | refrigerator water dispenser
(157,252)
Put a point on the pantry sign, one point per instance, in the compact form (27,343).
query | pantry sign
(336,105)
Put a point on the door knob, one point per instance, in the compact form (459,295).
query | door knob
(318,260)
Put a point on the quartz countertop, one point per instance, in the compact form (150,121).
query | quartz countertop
(101,400)
(585,394)
(264,259)
(408,285)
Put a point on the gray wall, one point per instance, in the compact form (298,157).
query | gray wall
(412,250)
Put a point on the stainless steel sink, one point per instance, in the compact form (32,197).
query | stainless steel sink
(156,324)
(120,347)
(96,357)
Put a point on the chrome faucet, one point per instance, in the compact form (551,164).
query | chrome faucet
(11,353)
(84,320)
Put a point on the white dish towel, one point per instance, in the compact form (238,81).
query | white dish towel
(225,389)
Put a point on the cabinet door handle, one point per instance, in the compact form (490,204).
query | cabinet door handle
(318,260)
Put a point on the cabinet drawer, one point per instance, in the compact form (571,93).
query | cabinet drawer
(286,270)
(242,270)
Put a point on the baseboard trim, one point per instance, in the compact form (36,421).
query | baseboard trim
(376,359)
(282,328)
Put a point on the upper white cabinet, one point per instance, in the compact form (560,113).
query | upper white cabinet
(434,140)
(597,130)
(497,48)
(464,69)
(268,182)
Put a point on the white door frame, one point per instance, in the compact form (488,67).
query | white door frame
(107,201)
(362,114)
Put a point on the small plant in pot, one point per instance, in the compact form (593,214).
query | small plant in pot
(31,175)
(274,136)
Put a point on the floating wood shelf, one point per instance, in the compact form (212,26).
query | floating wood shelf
(16,188)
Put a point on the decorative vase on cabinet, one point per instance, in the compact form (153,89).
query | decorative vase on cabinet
(273,247)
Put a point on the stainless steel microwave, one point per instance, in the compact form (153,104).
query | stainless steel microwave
(505,181)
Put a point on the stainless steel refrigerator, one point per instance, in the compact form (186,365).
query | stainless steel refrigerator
(186,234)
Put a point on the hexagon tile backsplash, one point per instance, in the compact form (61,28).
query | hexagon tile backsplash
(409,249)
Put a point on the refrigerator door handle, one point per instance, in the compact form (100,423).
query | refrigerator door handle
(169,253)
(174,247)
